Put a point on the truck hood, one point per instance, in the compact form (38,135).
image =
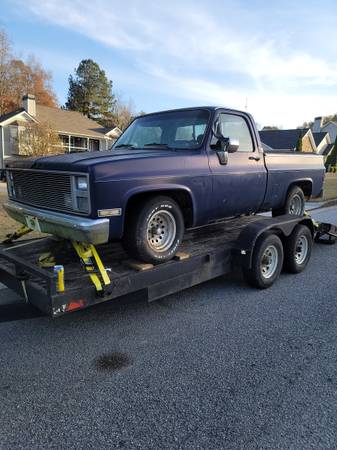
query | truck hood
(80,162)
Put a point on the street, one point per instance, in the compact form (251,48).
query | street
(220,365)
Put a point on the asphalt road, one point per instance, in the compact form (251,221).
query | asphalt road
(216,366)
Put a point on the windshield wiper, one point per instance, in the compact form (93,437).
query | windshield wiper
(125,146)
(157,144)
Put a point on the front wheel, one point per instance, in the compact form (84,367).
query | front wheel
(154,230)
(294,204)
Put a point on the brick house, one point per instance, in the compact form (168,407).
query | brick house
(76,131)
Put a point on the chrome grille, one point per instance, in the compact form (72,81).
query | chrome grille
(50,190)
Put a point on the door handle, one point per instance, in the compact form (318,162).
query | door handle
(255,158)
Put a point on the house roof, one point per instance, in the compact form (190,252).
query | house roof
(329,123)
(282,139)
(318,137)
(327,150)
(11,114)
(69,122)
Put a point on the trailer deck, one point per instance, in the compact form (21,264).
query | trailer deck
(205,253)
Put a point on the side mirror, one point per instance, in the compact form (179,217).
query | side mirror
(228,145)
(233,145)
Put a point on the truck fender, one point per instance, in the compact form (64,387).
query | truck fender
(147,189)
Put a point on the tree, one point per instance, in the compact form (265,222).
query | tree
(332,118)
(306,125)
(123,113)
(38,139)
(18,77)
(270,127)
(90,92)
(299,145)
(5,50)
(332,158)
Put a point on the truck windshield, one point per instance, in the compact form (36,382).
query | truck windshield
(176,129)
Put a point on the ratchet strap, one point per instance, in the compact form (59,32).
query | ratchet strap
(92,264)
(16,235)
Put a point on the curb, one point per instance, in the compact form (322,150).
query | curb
(326,204)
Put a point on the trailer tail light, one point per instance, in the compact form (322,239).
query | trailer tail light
(75,304)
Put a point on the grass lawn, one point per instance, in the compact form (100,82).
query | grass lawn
(8,225)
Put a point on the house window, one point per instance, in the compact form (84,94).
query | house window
(94,145)
(13,134)
(79,144)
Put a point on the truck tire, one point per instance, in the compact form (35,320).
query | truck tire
(267,262)
(297,249)
(294,204)
(154,230)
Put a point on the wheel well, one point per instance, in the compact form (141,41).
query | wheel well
(182,197)
(305,185)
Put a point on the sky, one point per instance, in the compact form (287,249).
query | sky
(277,59)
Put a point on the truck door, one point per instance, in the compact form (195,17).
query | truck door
(238,186)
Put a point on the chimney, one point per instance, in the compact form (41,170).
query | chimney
(29,104)
(317,125)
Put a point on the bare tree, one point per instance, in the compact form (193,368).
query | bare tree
(18,77)
(38,139)
(5,51)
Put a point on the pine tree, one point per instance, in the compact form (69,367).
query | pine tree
(90,92)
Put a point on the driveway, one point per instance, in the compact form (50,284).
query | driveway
(220,365)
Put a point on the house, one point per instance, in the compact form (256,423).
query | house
(287,140)
(330,128)
(76,131)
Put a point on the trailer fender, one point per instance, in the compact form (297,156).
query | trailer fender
(282,226)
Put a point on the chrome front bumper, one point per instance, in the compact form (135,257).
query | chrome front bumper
(81,229)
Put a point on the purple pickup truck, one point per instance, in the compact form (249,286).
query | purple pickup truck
(168,171)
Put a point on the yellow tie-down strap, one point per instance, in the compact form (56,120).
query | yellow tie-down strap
(88,253)
(17,234)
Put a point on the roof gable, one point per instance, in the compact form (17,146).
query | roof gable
(329,123)
(14,116)
(319,137)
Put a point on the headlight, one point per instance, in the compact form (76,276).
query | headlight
(82,183)
(80,193)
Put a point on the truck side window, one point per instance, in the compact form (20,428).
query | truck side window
(236,127)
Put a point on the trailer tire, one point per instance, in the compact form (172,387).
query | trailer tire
(297,249)
(294,204)
(267,262)
(154,230)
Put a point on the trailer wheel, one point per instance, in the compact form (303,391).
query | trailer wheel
(154,230)
(267,262)
(297,249)
(294,204)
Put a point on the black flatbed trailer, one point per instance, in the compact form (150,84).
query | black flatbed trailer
(205,253)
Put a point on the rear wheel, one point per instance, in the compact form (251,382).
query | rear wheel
(267,262)
(297,249)
(294,204)
(154,230)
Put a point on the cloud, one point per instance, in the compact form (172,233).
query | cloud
(193,45)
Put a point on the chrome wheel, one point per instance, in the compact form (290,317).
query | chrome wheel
(269,261)
(161,230)
(296,205)
(302,247)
